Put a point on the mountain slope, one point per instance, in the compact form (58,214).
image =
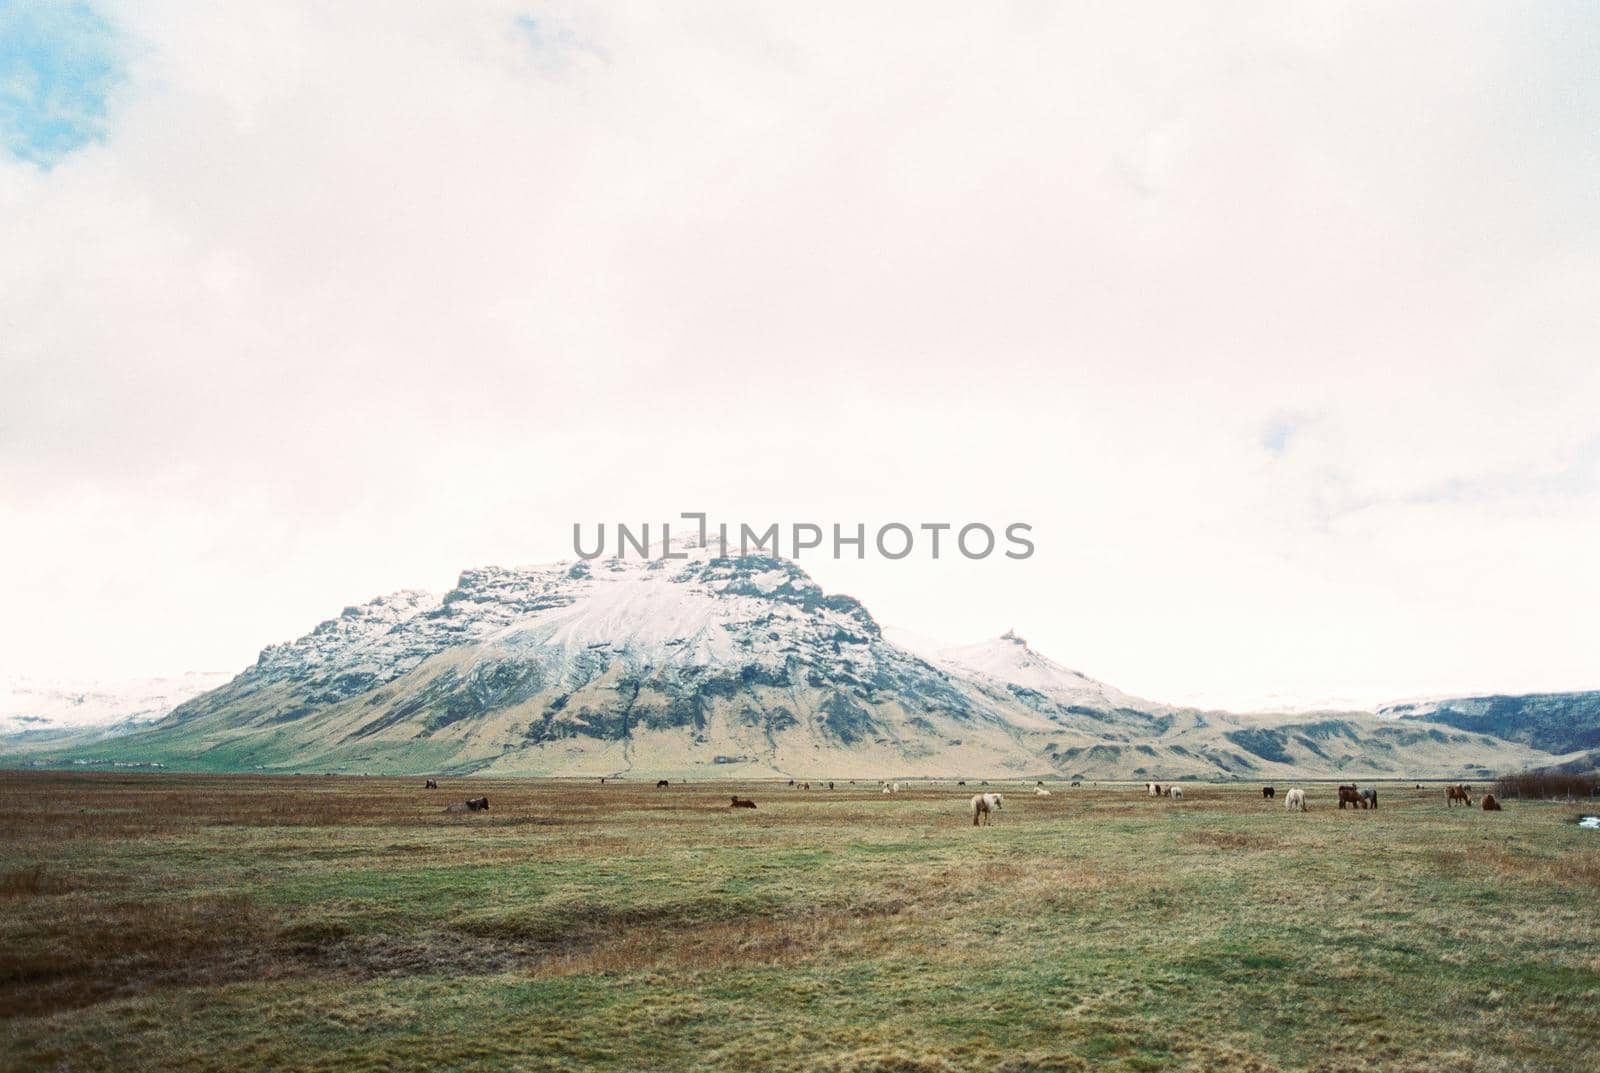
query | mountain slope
(714,665)
(1553,722)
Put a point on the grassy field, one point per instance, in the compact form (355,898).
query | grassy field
(167,922)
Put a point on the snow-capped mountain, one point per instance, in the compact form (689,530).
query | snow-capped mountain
(1007,661)
(706,664)
(34,704)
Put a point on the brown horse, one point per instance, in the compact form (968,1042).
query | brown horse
(1349,795)
(1268,793)
(742,802)
(1490,804)
(1452,794)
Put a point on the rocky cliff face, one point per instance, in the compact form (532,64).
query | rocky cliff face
(714,664)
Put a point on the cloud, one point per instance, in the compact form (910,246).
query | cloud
(350,297)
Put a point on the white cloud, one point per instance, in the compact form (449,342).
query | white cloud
(353,297)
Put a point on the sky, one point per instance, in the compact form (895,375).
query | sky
(1277,322)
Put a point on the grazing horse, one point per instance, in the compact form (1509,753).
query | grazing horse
(1369,799)
(1349,795)
(431,784)
(742,802)
(1175,792)
(1153,789)
(1295,800)
(1452,794)
(984,806)
(1075,782)
(1268,793)
(1490,804)
(661,784)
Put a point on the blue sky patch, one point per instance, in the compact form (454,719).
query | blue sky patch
(58,63)
(1278,432)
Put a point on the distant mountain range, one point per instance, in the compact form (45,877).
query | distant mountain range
(730,666)
(42,710)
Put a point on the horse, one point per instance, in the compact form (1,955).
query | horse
(1075,782)
(1295,800)
(1268,793)
(478,804)
(1153,789)
(1349,795)
(1452,794)
(1175,792)
(1369,799)
(431,784)
(742,802)
(1040,791)
(1490,804)
(984,806)
(963,782)
(662,784)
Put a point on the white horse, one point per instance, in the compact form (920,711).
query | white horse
(984,805)
(1154,789)
(1040,791)
(1177,793)
(1295,800)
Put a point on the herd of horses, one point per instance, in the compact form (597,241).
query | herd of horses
(985,805)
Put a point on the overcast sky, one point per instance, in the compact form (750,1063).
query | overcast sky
(1279,323)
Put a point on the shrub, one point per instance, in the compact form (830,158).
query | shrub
(1547,784)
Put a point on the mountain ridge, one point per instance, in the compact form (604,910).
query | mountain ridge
(724,665)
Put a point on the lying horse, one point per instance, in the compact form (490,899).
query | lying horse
(1349,795)
(742,802)
(1268,793)
(1295,800)
(475,804)
(1452,794)
(662,784)
(984,805)
(1490,804)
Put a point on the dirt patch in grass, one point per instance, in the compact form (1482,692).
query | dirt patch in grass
(87,953)
(32,882)
(1229,840)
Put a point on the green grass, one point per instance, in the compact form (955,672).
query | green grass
(199,922)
